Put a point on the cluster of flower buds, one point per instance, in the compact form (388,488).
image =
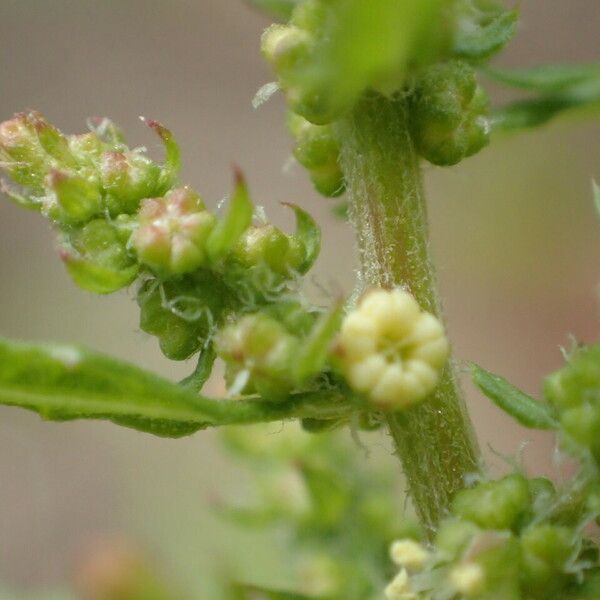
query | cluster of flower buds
(449,113)
(318,151)
(499,541)
(120,217)
(89,186)
(574,392)
(390,350)
(331,52)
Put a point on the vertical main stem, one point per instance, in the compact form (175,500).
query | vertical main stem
(434,440)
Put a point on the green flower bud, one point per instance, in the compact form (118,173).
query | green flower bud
(22,154)
(501,504)
(266,245)
(449,114)
(173,231)
(285,46)
(97,258)
(258,352)
(128,178)
(578,381)
(574,392)
(87,148)
(54,143)
(76,199)
(182,313)
(546,551)
(317,149)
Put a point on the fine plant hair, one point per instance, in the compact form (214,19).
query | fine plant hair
(374,90)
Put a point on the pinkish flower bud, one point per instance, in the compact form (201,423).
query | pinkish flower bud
(173,231)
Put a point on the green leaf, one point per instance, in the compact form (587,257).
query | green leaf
(526,114)
(483,28)
(65,382)
(308,234)
(526,410)
(313,352)
(563,90)
(97,278)
(280,10)
(546,79)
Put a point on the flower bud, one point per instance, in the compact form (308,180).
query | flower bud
(173,232)
(573,391)
(318,150)
(181,313)
(265,245)
(97,258)
(546,550)
(390,350)
(449,114)
(54,143)
(75,199)
(500,504)
(285,46)
(127,178)
(21,152)
(264,349)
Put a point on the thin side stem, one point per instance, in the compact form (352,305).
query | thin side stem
(434,440)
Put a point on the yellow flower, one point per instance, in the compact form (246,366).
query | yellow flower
(390,350)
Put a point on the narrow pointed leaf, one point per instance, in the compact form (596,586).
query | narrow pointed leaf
(561,89)
(65,382)
(526,410)
(546,79)
(238,218)
(313,354)
(308,234)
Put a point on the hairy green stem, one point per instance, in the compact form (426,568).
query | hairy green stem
(434,440)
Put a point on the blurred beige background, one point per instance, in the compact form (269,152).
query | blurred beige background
(514,233)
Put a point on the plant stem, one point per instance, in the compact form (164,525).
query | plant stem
(434,440)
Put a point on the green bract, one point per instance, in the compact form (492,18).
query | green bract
(449,114)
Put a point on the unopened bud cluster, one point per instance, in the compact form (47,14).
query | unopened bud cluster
(121,217)
(574,392)
(390,350)
(501,540)
(333,52)
(448,115)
